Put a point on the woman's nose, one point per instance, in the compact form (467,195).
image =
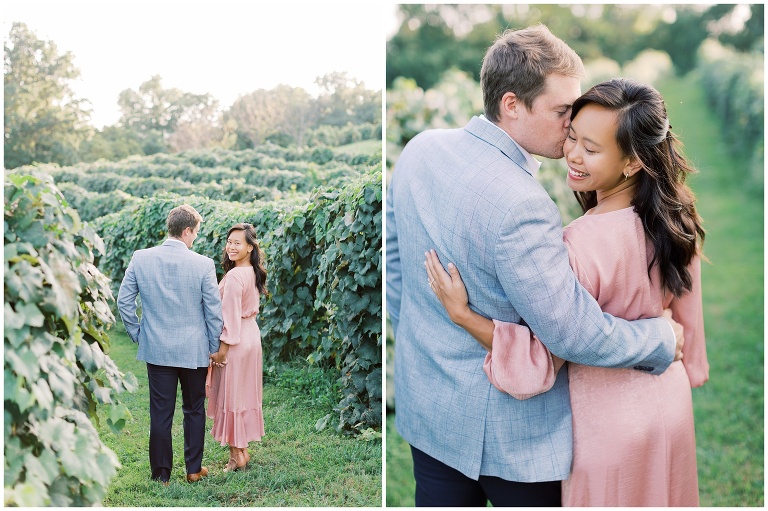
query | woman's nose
(571,153)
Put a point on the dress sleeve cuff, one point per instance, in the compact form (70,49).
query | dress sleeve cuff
(520,365)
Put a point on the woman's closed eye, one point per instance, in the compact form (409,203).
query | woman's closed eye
(586,149)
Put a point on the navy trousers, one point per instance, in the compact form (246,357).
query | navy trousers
(163,382)
(437,484)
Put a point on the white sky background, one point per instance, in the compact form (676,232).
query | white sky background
(222,47)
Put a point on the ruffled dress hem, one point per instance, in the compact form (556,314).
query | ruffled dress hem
(237,428)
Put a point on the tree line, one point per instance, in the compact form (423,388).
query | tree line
(45,122)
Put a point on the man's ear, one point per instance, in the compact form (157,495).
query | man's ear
(509,105)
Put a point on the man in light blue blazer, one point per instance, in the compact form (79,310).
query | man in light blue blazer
(471,194)
(178,335)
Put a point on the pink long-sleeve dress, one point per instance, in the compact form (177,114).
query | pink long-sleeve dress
(235,390)
(633,433)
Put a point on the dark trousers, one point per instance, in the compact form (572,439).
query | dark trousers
(437,484)
(163,382)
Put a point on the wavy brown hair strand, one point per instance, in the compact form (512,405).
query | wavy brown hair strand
(665,204)
(257,256)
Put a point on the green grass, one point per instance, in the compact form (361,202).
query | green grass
(363,147)
(729,408)
(401,486)
(292,466)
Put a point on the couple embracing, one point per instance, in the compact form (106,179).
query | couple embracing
(202,335)
(547,366)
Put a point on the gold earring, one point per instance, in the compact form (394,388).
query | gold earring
(626,176)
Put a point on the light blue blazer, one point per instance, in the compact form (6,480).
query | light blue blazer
(465,193)
(181,318)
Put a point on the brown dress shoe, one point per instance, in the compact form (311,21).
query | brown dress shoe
(193,478)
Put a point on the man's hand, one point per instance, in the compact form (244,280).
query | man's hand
(218,359)
(678,329)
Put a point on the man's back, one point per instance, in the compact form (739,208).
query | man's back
(181,307)
(453,191)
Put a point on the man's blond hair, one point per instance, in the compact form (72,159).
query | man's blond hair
(519,61)
(182,217)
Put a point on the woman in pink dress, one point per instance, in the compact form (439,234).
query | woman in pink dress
(637,251)
(235,386)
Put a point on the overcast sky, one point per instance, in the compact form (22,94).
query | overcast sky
(222,47)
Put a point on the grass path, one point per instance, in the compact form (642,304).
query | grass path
(729,408)
(292,466)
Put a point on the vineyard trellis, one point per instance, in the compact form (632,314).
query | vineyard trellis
(56,370)
(318,213)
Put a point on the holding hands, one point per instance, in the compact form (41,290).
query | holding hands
(219,359)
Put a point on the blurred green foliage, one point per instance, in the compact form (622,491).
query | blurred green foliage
(734,84)
(434,38)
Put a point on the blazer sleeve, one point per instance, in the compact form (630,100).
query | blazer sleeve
(689,312)
(532,265)
(520,364)
(393,265)
(232,309)
(126,303)
(212,307)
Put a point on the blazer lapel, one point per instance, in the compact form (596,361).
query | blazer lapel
(493,135)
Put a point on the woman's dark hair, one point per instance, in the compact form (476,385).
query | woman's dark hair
(663,201)
(257,256)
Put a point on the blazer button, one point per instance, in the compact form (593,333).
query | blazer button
(643,368)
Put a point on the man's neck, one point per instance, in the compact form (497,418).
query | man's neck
(532,163)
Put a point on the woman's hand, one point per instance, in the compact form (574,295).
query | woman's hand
(452,293)
(448,287)
(698,376)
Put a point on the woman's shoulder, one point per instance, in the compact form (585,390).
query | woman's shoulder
(239,274)
(622,226)
(619,217)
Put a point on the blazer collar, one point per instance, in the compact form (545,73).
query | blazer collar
(495,136)
(170,242)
